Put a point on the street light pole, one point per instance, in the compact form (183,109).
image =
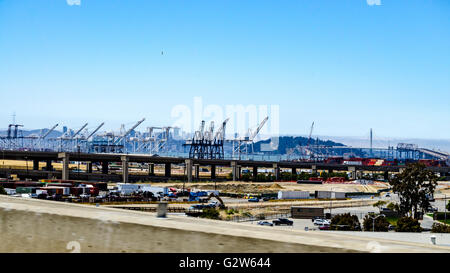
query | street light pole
(445,208)
(373,218)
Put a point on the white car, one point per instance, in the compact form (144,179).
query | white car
(265,223)
(321,222)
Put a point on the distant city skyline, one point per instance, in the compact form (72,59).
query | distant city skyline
(346,65)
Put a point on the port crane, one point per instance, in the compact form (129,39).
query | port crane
(248,139)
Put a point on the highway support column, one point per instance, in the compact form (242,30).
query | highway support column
(89,167)
(294,171)
(124,159)
(188,163)
(105,167)
(151,169)
(167,169)
(234,170)
(213,171)
(36,165)
(48,166)
(255,173)
(276,171)
(197,171)
(65,165)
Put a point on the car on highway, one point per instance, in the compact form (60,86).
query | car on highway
(196,207)
(265,223)
(253,199)
(282,221)
(387,195)
(432,209)
(324,227)
(391,227)
(319,222)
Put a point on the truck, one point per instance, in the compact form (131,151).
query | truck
(293,195)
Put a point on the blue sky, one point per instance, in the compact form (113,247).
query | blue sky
(344,64)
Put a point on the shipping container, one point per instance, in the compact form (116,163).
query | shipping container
(10,191)
(293,195)
(157,191)
(322,194)
(127,189)
(329,195)
(306,212)
(338,195)
(25,190)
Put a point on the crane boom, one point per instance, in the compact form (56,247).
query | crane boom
(95,131)
(221,132)
(129,130)
(259,128)
(49,131)
(310,133)
(74,135)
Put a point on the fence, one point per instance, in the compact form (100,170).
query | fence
(259,217)
(152,209)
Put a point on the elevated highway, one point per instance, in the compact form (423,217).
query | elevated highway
(189,165)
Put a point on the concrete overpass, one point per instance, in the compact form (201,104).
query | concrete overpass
(190,165)
(32,225)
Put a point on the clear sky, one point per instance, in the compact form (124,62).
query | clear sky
(347,65)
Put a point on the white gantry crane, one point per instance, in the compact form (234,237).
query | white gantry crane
(247,139)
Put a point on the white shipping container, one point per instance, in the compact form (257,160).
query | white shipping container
(10,191)
(41,192)
(126,189)
(155,190)
(338,195)
(293,195)
(323,194)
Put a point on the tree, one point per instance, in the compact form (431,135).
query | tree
(381,224)
(345,221)
(2,190)
(413,186)
(448,205)
(408,224)
(379,204)
(393,206)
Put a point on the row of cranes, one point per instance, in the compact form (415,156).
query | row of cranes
(82,140)
(209,144)
(206,143)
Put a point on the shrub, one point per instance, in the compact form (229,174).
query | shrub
(210,213)
(441,216)
(246,177)
(345,222)
(231,211)
(408,224)
(381,224)
(440,228)
(260,216)
(2,190)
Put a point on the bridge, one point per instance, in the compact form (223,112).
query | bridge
(188,165)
